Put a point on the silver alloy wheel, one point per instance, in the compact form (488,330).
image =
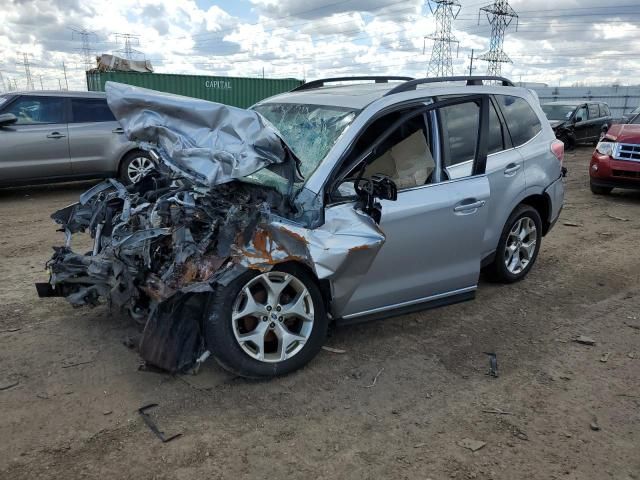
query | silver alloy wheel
(272,317)
(138,168)
(521,245)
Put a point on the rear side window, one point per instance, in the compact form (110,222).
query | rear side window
(593,111)
(604,110)
(496,142)
(460,132)
(33,110)
(522,121)
(85,110)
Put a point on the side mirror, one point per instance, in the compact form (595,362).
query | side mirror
(7,119)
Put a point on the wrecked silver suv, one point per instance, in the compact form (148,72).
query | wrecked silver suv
(261,226)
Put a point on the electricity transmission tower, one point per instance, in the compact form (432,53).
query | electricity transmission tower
(445,12)
(4,85)
(500,15)
(85,37)
(130,41)
(27,69)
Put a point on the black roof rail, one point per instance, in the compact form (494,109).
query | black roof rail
(320,82)
(470,79)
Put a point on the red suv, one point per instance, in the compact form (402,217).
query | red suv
(615,163)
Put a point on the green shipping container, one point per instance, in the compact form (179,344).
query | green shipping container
(236,91)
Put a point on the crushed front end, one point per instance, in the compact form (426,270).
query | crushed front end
(163,245)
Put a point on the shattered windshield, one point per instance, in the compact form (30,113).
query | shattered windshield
(558,112)
(309,130)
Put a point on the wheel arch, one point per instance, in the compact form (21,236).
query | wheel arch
(542,203)
(323,284)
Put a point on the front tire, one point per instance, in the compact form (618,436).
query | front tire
(518,246)
(266,324)
(596,190)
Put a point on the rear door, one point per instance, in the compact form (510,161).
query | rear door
(434,229)
(36,146)
(95,137)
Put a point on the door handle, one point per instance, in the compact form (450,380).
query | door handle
(511,169)
(467,207)
(56,135)
(118,130)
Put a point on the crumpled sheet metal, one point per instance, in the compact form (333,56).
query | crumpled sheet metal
(209,143)
(341,250)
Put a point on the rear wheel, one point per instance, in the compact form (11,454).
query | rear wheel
(596,190)
(134,166)
(518,246)
(266,324)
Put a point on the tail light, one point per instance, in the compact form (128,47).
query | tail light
(557,148)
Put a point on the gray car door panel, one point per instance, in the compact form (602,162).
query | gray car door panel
(34,151)
(96,147)
(96,139)
(37,146)
(434,232)
(434,238)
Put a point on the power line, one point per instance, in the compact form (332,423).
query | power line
(500,15)
(130,40)
(85,37)
(27,69)
(445,13)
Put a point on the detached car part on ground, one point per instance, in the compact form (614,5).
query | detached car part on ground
(225,250)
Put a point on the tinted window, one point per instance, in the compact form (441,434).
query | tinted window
(582,114)
(593,111)
(35,110)
(460,132)
(604,110)
(522,121)
(495,131)
(90,110)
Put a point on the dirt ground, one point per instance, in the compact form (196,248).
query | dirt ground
(559,409)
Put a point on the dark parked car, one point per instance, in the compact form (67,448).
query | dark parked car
(577,122)
(60,136)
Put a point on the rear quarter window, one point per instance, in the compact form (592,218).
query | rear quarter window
(86,110)
(522,121)
(593,111)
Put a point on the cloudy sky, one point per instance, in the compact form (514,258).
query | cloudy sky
(557,41)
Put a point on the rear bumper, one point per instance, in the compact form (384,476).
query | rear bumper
(555,193)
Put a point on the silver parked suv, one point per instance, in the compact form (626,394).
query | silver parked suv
(352,202)
(61,136)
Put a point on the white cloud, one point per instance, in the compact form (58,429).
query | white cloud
(557,40)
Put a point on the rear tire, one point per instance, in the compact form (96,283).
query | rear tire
(292,334)
(597,190)
(518,246)
(134,166)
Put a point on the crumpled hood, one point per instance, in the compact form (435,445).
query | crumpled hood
(624,133)
(210,143)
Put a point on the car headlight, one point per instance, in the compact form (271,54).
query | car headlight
(606,148)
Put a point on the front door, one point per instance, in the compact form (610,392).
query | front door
(434,230)
(36,146)
(581,124)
